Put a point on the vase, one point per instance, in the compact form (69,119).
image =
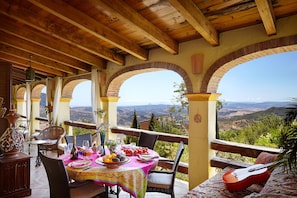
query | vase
(11,141)
(102,140)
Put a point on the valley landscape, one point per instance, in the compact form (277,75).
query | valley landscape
(233,115)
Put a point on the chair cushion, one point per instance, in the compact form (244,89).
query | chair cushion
(265,158)
(159,180)
(86,191)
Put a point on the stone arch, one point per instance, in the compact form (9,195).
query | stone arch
(117,79)
(70,85)
(215,73)
(20,93)
(36,91)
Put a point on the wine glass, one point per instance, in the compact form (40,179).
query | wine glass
(86,144)
(69,148)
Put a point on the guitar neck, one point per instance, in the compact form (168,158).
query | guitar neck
(265,166)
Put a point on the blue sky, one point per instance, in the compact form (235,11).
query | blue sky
(270,78)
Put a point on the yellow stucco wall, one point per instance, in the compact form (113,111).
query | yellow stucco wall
(201,134)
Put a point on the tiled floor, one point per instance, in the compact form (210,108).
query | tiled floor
(40,188)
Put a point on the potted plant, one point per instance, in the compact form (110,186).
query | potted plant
(100,112)
(288,139)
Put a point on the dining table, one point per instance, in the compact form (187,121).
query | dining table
(131,175)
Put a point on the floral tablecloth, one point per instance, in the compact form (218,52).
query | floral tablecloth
(131,176)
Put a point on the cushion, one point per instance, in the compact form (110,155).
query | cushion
(265,158)
(159,180)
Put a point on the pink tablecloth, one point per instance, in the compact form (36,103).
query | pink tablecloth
(131,176)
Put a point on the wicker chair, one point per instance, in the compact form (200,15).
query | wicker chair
(163,181)
(52,133)
(147,140)
(61,187)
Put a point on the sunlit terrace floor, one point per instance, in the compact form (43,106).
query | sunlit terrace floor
(40,188)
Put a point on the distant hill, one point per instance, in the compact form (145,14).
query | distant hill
(125,113)
(233,114)
(239,115)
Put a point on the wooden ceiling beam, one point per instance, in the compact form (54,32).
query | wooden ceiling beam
(267,15)
(38,59)
(33,48)
(39,38)
(196,18)
(24,64)
(120,8)
(90,25)
(68,35)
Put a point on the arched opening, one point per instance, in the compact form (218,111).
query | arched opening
(116,80)
(225,63)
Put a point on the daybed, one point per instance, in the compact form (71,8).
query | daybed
(280,184)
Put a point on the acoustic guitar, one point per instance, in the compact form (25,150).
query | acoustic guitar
(239,179)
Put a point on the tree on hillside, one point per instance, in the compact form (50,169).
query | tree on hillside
(135,123)
(152,123)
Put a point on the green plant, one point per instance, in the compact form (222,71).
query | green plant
(288,139)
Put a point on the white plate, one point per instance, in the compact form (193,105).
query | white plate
(79,164)
(145,158)
(100,161)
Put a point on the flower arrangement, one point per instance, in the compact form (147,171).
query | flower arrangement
(48,109)
(111,145)
(100,112)
(102,129)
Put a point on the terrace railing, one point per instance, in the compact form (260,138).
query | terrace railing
(217,145)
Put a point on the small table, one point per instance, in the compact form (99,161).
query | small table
(131,176)
(38,142)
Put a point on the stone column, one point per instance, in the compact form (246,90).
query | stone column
(202,130)
(110,106)
(64,114)
(35,112)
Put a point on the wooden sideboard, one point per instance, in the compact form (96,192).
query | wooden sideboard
(15,176)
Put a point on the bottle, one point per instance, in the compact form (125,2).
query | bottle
(74,153)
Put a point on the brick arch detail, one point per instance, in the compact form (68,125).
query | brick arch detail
(20,93)
(70,85)
(215,73)
(116,80)
(36,90)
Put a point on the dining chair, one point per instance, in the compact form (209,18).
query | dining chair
(54,133)
(68,139)
(163,181)
(147,140)
(60,185)
(80,138)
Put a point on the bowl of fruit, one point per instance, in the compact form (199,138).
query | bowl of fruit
(112,160)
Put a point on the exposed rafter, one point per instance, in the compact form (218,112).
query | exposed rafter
(267,15)
(121,9)
(88,24)
(196,18)
(70,37)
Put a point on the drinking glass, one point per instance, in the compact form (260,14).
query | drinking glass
(69,148)
(85,144)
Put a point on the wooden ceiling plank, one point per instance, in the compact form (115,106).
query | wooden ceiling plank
(43,40)
(196,18)
(267,15)
(24,64)
(38,59)
(90,25)
(51,28)
(123,10)
(223,5)
(41,51)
